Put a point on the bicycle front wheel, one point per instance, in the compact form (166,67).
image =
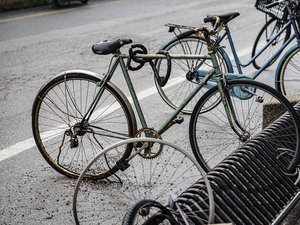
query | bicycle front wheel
(65,139)
(186,73)
(154,169)
(288,81)
(267,32)
(254,106)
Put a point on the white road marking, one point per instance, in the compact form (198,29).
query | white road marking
(16,149)
(30,143)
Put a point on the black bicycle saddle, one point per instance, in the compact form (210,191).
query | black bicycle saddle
(225,18)
(107,47)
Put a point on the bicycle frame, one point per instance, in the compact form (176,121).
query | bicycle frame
(239,65)
(119,60)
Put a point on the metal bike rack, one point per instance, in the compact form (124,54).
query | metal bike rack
(250,186)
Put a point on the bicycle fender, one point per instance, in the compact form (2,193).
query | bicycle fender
(72,72)
(227,60)
(164,45)
(79,72)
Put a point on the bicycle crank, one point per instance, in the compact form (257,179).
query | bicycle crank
(152,150)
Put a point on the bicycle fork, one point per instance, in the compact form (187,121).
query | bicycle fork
(225,98)
(231,115)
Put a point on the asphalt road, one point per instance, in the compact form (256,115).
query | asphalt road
(38,43)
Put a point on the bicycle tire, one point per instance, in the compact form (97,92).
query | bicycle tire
(178,86)
(212,139)
(263,37)
(66,143)
(106,201)
(150,211)
(287,74)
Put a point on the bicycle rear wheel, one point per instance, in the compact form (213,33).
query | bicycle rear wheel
(186,73)
(268,31)
(68,142)
(255,106)
(153,171)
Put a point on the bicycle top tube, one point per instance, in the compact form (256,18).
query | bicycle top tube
(172,56)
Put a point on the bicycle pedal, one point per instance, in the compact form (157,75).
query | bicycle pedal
(179,120)
(122,165)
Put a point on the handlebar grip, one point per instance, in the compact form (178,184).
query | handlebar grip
(186,33)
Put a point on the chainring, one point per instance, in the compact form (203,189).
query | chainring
(153,150)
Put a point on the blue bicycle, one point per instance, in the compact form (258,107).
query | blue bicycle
(188,73)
